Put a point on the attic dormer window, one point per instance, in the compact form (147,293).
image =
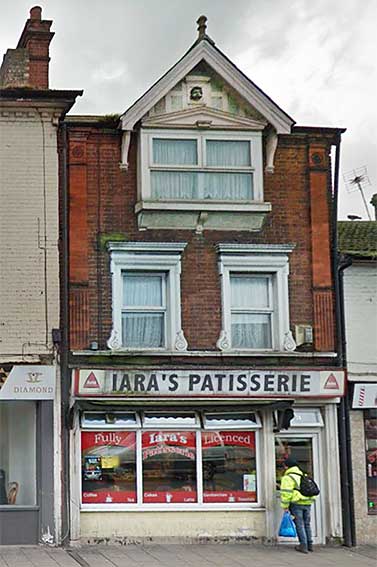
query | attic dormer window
(197,171)
(203,167)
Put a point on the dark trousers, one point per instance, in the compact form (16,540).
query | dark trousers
(302,521)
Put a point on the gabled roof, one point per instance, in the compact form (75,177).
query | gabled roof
(358,238)
(204,49)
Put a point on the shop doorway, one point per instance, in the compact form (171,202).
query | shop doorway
(305,448)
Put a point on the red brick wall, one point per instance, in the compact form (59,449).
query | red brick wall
(102,201)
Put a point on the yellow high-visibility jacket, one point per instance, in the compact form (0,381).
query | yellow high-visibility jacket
(289,493)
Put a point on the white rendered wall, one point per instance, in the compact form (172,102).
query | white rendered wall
(360,297)
(28,195)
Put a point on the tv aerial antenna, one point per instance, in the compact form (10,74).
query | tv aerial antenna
(357,180)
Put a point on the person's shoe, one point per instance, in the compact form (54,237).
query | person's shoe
(301,549)
(310,547)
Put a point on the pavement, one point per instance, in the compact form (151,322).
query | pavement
(200,555)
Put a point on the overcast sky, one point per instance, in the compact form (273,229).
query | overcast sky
(315,59)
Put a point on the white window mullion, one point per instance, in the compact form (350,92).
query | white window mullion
(199,466)
(139,468)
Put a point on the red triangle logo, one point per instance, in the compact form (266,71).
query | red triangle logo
(91,381)
(331,383)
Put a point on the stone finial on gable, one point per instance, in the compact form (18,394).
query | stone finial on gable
(202,26)
(202,29)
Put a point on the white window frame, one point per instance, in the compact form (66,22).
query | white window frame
(197,506)
(146,164)
(270,310)
(148,257)
(164,308)
(256,259)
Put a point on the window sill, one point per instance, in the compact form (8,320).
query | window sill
(201,215)
(172,508)
(205,353)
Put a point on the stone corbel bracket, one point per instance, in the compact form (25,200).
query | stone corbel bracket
(126,139)
(271,145)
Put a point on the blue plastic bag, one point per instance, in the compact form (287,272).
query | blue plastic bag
(287,526)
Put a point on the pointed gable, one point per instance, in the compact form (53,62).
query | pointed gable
(205,77)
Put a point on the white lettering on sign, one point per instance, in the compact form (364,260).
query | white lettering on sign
(167,437)
(220,383)
(107,439)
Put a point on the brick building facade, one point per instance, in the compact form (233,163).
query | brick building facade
(201,310)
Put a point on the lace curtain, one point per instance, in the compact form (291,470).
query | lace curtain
(192,185)
(230,153)
(250,329)
(143,311)
(175,152)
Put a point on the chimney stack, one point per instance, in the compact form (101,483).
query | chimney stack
(28,64)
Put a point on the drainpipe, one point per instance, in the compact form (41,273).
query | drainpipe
(339,265)
(65,376)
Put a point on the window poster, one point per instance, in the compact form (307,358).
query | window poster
(169,467)
(229,466)
(370,425)
(108,467)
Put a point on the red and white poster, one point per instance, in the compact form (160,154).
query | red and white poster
(229,473)
(108,467)
(169,467)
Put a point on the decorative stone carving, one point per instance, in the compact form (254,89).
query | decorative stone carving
(180,343)
(196,93)
(114,342)
(202,219)
(223,342)
(289,343)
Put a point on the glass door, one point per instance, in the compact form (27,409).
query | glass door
(305,449)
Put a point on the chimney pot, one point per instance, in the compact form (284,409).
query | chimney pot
(36,13)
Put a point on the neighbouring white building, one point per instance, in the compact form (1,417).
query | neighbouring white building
(358,246)
(30,113)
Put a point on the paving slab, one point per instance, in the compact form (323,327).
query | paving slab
(195,555)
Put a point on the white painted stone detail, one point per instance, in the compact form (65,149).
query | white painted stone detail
(114,342)
(180,343)
(223,342)
(289,343)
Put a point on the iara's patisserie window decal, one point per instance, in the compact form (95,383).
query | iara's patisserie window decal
(108,467)
(229,466)
(169,467)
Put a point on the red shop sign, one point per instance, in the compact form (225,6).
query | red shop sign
(228,438)
(107,438)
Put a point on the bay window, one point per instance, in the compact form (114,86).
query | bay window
(186,172)
(166,459)
(201,168)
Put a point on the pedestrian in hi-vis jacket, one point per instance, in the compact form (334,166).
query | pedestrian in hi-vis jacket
(298,505)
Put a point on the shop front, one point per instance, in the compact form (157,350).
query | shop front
(152,448)
(26,454)
(363,417)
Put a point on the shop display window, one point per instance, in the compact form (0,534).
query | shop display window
(18,476)
(167,459)
(229,466)
(370,428)
(169,466)
(108,467)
